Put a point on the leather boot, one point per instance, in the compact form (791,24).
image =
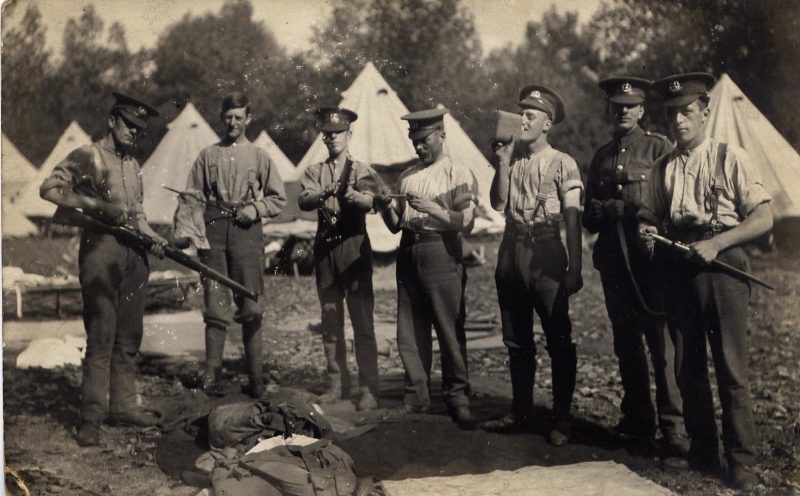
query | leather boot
(252,337)
(215,347)
(338,386)
(367,400)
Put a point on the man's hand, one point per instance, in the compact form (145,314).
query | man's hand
(420,204)
(705,251)
(246,215)
(614,209)
(329,190)
(503,151)
(110,213)
(382,200)
(646,240)
(573,281)
(595,210)
(157,248)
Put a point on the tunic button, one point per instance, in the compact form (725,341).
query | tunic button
(623,150)
(530,222)
(619,187)
(644,177)
(619,167)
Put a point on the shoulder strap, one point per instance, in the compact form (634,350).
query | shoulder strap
(546,187)
(718,181)
(213,176)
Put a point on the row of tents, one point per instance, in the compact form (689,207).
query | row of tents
(379,138)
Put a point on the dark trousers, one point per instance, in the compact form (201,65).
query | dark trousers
(430,291)
(113,279)
(238,253)
(529,276)
(630,323)
(344,274)
(708,306)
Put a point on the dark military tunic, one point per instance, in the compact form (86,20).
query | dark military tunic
(619,171)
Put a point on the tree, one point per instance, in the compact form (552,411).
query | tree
(26,71)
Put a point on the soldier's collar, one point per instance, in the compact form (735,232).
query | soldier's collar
(107,143)
(633,134)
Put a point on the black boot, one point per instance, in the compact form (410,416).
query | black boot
(254,352)
(215,347)
(338,381)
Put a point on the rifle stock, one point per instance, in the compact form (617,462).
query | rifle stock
(77,218)
(728,269)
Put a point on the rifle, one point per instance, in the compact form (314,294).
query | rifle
(728,269)
(230,212)
(328,217)
(77,218)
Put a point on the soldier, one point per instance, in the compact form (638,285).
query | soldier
(342,190)
(534,272)
(616,184)
(104,181)
(437,203)
(235,175)
(708,195)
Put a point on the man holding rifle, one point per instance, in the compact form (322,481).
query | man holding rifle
(104,181)
(235,176)
(342,191)
(709,196)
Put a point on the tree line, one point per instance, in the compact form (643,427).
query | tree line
(428,50)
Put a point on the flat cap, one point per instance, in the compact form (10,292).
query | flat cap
(424,122)
(682,89)
(625,90)
(133,109)
(543,98)
(334,119)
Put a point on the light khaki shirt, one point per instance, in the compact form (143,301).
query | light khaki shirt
(450,185)
(239,167)
(526,181)
(681,186)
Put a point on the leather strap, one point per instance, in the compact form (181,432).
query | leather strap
(625,255)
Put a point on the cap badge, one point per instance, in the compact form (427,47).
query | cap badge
(675,86)
(536,95)
(334,117)
(627,88)
(141,112)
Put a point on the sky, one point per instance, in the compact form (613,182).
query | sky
(498,22)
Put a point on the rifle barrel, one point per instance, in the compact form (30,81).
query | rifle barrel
(729,269)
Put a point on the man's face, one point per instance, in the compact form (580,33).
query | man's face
(430,148)
(336,141)
(236,121)
(534,123)
(687,123)
(624,117)
(123,131)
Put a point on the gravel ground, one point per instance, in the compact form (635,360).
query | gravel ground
(41,409)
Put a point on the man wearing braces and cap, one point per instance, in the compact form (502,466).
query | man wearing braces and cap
(435,202)
(534,272)
(104,181)
(342,191)
(235,175)
(709,196)
(615,188)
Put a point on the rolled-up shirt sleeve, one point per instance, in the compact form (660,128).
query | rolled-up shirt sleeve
(747,184)
(195,181)
(310,183)
(274,198)
(569,177)
(71,172)
(465,189)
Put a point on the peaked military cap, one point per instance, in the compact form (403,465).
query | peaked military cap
(133,109)
(335,119)
(625,90)
(424,122)
(682,89)
(543,98)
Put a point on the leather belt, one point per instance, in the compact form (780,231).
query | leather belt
(538,232)
(412,237)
